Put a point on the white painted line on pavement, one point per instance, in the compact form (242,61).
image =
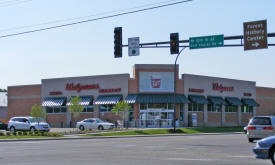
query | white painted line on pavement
(195,159)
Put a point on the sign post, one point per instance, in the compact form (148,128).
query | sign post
(133,46)
(206,41)
(255,35)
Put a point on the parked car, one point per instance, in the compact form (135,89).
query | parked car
(265,149)
(93,123)
(28,124)
(3,126)
(260,127)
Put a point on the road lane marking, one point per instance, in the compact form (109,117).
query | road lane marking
(195,159)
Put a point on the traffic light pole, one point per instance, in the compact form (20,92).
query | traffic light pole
(165,43)
(175,80)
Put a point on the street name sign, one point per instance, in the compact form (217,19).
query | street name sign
(206,41)
(133,46)
(255,35)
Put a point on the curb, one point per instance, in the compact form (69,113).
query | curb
(112,137)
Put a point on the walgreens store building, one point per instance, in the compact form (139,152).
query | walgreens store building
(150,93)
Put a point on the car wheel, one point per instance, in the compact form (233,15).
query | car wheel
(81,128)
(32,129)
(100,127)
(12,129)
(250,140)
(272,156)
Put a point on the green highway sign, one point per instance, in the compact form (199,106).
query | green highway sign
(206,41)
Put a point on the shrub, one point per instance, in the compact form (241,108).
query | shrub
(177,131)
(36,133)
(2,134)
(20,133)
(54,134)
(8,134)
(14,133)
(25,133)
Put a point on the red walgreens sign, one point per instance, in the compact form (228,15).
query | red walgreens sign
(55,93)
(221,88)
(109,90)
(78,87)
(196,90)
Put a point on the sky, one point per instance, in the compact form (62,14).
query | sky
(88,49)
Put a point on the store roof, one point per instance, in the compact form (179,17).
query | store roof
(156,98)
(3,99)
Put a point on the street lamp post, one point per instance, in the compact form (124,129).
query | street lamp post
(175,75)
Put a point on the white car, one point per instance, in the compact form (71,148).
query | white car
(28,124)
(260,127)
(93,123)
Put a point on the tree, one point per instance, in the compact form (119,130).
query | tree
(38,112)
(122,109)
(75,108)
(3,90)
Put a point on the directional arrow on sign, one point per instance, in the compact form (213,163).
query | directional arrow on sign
(256,44)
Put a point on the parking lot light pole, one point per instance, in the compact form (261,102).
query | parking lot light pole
(175,75)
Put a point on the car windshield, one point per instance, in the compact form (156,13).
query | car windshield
(99,121)
(260,121)
(36,119)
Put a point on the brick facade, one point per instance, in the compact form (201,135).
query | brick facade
(22,98)
(266,99)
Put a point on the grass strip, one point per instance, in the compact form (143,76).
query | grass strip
(22,137)
(170,131)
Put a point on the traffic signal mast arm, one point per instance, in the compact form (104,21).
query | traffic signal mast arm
(166,44)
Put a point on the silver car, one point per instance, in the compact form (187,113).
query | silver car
(265,149)
(93,123)
(28,124)
(260,127)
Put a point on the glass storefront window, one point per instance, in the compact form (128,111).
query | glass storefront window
(170,115)
(247,109)
(170,106)
(106,108)
(87,109)
(157,106)
(142,115)
(214,108)
(131,112)
(231,108)
(162,106)
(181,112)
(164,115)
(61,109)
(193,107)
(143,106)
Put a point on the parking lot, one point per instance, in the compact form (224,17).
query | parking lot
(226,149)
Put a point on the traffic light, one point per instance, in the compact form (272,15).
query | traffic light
(118,42)
(174,43)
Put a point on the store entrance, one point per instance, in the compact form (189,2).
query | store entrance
(156,118)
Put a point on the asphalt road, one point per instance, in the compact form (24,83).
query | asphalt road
(232,149)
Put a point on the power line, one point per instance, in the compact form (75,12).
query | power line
(82,17)
(95,19)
